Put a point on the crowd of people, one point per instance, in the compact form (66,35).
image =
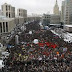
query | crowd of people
(50,54)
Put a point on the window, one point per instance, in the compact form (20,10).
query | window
(45,17)
(6,26)
(0,27)
(9,14)
(6,7)
(6,14)
(19,14)
(9,7)
(3,26)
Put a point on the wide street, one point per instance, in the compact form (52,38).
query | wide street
(37,49)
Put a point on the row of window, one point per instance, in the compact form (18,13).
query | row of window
(7,7)
(47,17)
(9,15)
(12,9)
(20,14)
(22,10)
(5,25)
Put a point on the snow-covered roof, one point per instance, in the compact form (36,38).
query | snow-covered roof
(68,25)
(70,34)
(66,36)
(22,9)
(54,24)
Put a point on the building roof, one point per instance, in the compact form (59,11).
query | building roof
(22,9)
(68,25)
(55,24)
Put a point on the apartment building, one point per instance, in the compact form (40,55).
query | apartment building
(22,12)
(46,19)
(68,12)
(6,24)
(8,10)
(62,11)
(55,19)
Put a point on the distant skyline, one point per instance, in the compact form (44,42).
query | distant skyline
(34,6)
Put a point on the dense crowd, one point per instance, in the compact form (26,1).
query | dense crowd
(50,54)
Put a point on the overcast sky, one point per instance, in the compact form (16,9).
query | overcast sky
(33,6)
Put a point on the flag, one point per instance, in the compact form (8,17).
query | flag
(54,46)
(41,44)
(47,43)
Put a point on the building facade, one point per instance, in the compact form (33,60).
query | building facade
(68,12)
(55,19)
(56,9)
(6,25)
(62,11)
(1,13)
(8,10)
(22,12)
(68,28)
(46,19)
(8,20)
(19,20)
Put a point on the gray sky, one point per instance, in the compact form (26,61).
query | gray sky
(33,6)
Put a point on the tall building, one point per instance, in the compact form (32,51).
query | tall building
(68,12)
(56,8)
(8,10)
(62,11)
(22,12)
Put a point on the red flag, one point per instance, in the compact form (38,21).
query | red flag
(47,43)
(41,44)
(51,45)
(54,46)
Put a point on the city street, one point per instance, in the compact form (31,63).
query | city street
(46,50)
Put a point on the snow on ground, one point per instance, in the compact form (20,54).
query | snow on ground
(54,32)
(65,35)
(68,37)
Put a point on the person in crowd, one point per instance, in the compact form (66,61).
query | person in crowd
(50,54)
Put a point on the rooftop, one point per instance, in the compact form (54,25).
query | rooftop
(55,24)
(68,25)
